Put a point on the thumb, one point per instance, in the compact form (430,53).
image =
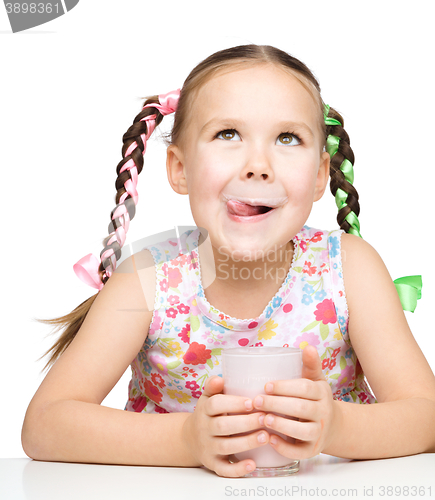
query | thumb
(312,366)
(213,385)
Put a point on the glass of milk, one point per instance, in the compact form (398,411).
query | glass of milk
(246,370)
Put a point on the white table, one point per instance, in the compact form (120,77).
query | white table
(319,477)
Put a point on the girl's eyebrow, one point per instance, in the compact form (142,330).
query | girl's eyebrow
(291,126)
(230,123)
(221,123)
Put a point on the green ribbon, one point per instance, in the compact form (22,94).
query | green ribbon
(409,291)
(409,287)
(332,143)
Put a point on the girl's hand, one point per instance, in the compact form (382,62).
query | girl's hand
(308,399)
(207,432)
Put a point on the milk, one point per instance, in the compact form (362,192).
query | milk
(246,370)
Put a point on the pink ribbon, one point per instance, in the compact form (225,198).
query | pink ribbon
(168,102)
(86,268)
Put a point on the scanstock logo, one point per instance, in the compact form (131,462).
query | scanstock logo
(27,14)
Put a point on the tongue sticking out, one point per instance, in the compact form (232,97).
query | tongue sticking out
(242,209)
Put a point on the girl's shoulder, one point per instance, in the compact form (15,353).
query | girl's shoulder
(356,251)
(171,245)
(317,240)
(353,258)
(366,276)
(313,234)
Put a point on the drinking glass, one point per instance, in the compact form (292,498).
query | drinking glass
(246,370)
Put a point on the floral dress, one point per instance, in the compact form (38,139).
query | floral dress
(187,334)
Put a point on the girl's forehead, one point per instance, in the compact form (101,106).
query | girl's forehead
(255,91)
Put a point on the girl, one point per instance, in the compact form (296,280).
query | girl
(253,145)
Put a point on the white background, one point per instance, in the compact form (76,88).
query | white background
(72,87)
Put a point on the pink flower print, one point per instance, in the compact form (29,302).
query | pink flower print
(362,396)
(165,268)
(173,299)
(183,309)
(192,260)
(164,287)
(317,237)
(303,246)
(309,268)
(196,394)
(326,312)
(194,309)
(174,277)
(152,392)
(156,324)
(308,338)
(171,312)
(196,354)
(287,308)
(159,409)
(345,376)
(157,379)
(185,334)
(192,385)
(139,404)
(159,362)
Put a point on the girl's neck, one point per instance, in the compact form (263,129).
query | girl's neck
(242,289)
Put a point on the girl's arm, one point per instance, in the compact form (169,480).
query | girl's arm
(65,422)
(396,369)
(402,423)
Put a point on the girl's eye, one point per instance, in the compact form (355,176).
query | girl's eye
(287,139)
(228,135)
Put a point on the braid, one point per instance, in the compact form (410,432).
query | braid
(126,197)
(342,176)
(88,269)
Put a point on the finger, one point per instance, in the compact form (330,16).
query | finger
(303,431)
(237,444)
(213,385)
(297,388)
(288,406)
(224,468)
(312,366)
(235,424)
(220,404)
(296,451)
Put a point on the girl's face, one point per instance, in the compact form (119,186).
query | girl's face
(253,140)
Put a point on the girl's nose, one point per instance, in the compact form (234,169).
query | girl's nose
(258,166)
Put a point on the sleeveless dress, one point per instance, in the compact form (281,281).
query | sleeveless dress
(187,334)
